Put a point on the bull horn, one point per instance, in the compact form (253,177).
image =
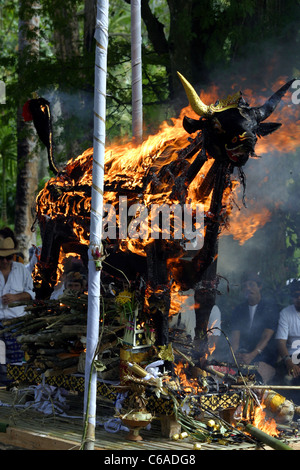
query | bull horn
(196,103)
(269,106)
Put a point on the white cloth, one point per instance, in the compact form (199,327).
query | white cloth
(2,352)
(19,280)
(214,321)
(188,316)
(34,259)
(252,310)
(289,328)
(58,291)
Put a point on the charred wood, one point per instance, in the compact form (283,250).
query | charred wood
(158,290)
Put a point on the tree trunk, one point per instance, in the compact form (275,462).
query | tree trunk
(66,32)
(136,71)
(27,179)
(27,183)
(89,25)
(180,39)
(66,44)
(187,43)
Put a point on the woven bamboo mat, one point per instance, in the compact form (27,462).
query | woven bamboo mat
(66,431)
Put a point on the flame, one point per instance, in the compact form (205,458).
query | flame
(211,349)
(179,300)
(266,425)
(244,224)
(61,261)
(138,171)
(257,417)
(189,385)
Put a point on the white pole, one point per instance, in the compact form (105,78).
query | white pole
(136,70)
(90,395)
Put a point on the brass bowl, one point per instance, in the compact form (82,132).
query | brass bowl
(136,421)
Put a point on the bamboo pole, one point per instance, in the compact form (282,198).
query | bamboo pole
(90,393)
(267,387)
(136,70)
(266,438)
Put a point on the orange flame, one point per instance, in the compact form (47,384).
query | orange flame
(127,164)
(189,385)
(258,417)
(244,223)
(266,425)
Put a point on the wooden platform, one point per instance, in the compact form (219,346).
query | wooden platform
(28,429)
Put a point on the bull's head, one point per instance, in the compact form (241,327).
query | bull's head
(231,127)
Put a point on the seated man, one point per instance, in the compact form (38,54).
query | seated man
(16,285)
(255,322)
(75,282)
(74,278)
(288,338)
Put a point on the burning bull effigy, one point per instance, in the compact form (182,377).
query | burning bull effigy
(166,202)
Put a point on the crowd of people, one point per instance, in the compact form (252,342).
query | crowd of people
(266,336)
(16,288)
(261,334)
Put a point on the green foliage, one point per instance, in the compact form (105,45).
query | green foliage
(8,170)
(293,223)
(217,34)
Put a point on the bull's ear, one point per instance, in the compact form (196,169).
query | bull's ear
(266,128)
(191,125)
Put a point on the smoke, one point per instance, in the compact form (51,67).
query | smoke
(72,121)
(271,181)
(269,184)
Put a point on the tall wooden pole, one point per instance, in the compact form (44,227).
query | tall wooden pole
(136,68)
(90,395)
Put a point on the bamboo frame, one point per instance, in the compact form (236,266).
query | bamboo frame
(267,387)
(136,70)
(101,37)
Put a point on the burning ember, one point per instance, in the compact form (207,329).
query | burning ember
(190,386)
(254,413)
(261,422)
(166,201)
(144,175)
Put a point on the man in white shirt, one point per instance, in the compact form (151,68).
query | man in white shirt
(288,334)
(16,285)
(187,319)
(16,288)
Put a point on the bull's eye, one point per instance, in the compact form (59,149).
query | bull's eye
(218,126)
(234,140)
